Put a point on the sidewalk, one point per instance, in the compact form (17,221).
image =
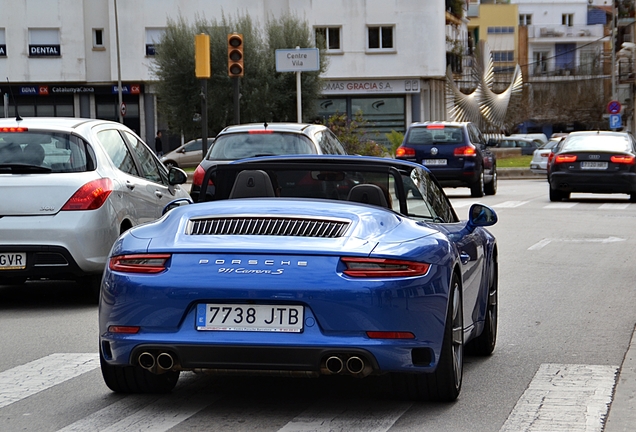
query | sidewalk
(622,413)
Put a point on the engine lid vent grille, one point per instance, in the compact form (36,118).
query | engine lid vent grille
(270,226)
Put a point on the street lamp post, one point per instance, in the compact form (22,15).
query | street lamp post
(119,94)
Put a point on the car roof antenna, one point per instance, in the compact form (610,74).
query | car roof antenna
(17,114)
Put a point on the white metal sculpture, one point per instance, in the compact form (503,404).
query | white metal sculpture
(483,106)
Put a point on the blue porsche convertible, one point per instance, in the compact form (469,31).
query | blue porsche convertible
(303,266)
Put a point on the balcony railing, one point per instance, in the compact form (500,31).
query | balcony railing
(562,31)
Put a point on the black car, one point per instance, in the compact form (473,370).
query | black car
(266,139)
(455,152)
(593,162)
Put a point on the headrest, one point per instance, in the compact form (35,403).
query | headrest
(368,194)
(252,184)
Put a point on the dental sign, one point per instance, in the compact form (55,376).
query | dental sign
(44,51)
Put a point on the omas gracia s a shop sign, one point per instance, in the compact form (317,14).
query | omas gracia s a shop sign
(44,50)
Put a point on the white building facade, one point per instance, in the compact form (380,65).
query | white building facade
(61,57)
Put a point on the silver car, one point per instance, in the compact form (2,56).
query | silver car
(187,155)
(68,188)
(539,162)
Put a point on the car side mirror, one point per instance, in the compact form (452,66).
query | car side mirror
(481,215)
(183,150)
(177,176)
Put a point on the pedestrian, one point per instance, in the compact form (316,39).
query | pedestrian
(158,144)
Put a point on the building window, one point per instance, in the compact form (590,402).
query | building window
(500,30)
(153,37)
(503,56)
(328,38)
(98,39)
(44,42)
(3,44)
(380,38)
(541,62)
(525,19)
(567,20)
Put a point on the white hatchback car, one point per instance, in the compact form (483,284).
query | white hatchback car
(68,188)
(539,162)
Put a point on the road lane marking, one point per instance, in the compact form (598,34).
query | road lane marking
(609,206)
(541,244)
(509,204)
(463,204)
(564,397)
(33,377)
(361,416)
(561,205)
(161,415)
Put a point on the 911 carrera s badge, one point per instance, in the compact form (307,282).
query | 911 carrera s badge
(240,266)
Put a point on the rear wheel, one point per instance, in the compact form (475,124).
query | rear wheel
(556,195)
(445,383)
(477,188)
(491,188)
(169,164)
(134,379)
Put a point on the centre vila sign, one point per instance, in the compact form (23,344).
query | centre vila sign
(297,60)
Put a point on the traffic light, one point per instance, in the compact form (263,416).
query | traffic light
(202,56)
(235,55)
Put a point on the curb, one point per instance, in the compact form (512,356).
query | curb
(518,174)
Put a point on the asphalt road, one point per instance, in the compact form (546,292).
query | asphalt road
(567,303)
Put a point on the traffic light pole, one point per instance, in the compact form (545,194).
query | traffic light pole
(299,102)
(237,95)
(204,116)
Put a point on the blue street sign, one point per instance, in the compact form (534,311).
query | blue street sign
(614,107)
(615,121)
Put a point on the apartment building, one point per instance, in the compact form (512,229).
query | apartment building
(67,57)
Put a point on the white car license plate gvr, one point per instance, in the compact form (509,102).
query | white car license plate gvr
(242,317)
(12,261)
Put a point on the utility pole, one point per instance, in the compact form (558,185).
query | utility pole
(119,91)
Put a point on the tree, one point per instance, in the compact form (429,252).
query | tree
(351,133)
(266,95)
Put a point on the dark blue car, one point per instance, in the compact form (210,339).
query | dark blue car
(303,266)
(455,152)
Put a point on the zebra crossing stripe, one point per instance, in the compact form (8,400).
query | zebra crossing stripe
(509,204)
(562,397)
(363,416)
(33,377)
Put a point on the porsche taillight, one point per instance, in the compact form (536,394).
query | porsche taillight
(139,263)
(405,152)
(465,151)
(91,196)
(380,267)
